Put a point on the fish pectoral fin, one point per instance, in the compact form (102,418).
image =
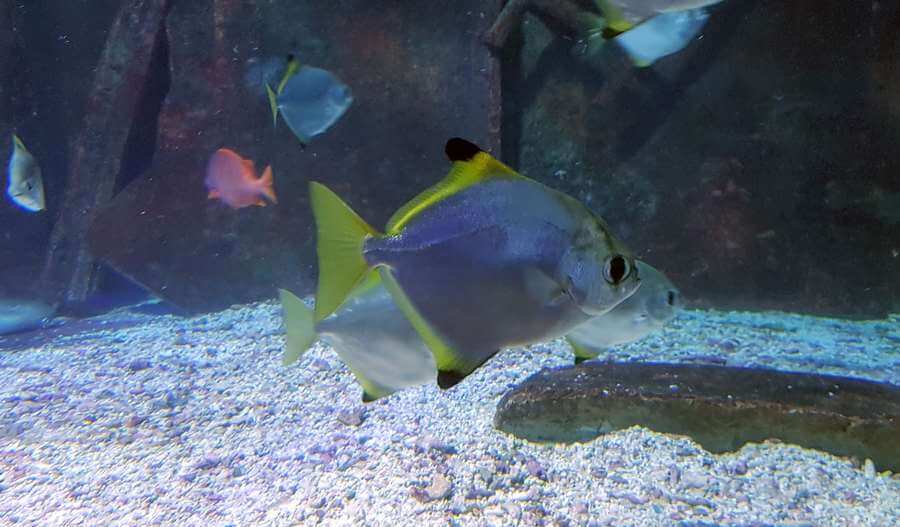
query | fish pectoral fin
(340,235)
(471,166)
(581,351)
(214,194)
(299,325)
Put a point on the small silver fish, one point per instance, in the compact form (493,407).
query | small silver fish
(21,315)
(622,12)
(654,304)
(25,188)
(661,35)
(309,99)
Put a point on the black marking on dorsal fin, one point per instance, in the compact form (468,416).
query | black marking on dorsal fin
(579,360)
(458,149)
(367,397)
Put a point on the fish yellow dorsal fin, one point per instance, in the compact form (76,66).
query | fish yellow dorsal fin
(471,165)
(18,144)
(291,69)
(615,18)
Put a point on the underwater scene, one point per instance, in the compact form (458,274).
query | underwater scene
(450,263)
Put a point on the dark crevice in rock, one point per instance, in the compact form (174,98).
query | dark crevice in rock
(141,143)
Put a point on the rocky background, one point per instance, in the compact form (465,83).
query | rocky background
(759,167)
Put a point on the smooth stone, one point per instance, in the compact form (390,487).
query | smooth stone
(721,408)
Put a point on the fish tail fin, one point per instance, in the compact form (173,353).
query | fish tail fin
(301,329)
(341,234)
(266,184)
(273,104)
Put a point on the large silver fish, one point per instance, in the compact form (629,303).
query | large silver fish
(385,353)
(484,260)
(644,312)
(25,187)
(20,315)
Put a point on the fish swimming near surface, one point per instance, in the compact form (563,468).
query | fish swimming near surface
(385,353)
(232,179)
(22,315)
(642,313)
(26,186)
(485,259)
(309,99)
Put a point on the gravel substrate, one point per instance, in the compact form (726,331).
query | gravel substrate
(169,421)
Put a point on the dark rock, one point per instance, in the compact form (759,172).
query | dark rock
(139,364)
(208,462)
(134,421)
(721,408)
(535,469)
(97,151)
(353,417)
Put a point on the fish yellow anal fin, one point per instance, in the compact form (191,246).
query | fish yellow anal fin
(370,390)
(471,166)
(581,352)
(298,322)
(341,234)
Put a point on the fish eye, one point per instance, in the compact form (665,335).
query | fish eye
(616,270)
(670,298)
(29,186)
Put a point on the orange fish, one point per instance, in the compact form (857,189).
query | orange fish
(232,179)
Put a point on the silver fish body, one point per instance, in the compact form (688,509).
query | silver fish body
(311,102)
(25,185)
(376,341)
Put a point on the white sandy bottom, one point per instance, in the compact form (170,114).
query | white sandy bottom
(195,422)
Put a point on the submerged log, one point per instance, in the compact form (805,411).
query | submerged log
(721,408)
(96,153)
